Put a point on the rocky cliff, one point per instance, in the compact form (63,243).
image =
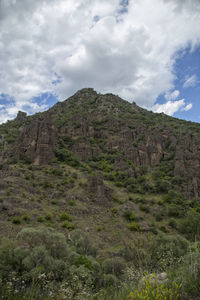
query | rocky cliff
(104,129)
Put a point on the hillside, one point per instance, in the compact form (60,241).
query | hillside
(123,180)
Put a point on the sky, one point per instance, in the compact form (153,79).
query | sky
(146,51)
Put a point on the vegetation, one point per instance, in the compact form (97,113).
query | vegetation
(112,210)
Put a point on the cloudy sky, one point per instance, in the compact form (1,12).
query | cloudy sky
(147,51)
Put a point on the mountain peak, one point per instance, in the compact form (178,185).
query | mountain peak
(85,92)
(92,126)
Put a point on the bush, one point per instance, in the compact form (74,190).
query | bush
(175,210)
(190,225)
(26,218)
(40,219)
(57,171)
(16,220)
(145,208)
(134,226)
(114,266)
(114,210)
(55,242)
(70,226)
(48,217)
(34,251)
(83,243)
(163,229)
(129,215)
(173,223)
(84,261)
(152,289)
(167,250)
(109,280)
(72,202)
(67,156)
(190,271)
(65,217)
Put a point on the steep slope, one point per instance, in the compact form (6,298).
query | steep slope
(96,128)
(103,154)
(122,185)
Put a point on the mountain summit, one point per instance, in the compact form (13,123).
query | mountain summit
(94,127)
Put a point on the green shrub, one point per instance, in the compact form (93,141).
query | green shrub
(16,220)
(114,210)
(53,241)
(8,192)
(173,223)
(40,219)
(160,202)
(70,226)
(114,266)
(118,200)
(49,217)
(26,218)
(152,289)
(145,208)
(67,156)
(190,225)
(72,202)
(84,244)
(159,216)
(100,228)
(54,201)
(167,250)
(163,229)
(129,215)
(190,271)
(134,226)
(175,210)
(57,171)
(119,184)
(109,280)
(65,217)
(82,260)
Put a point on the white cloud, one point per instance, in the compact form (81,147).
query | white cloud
(88,43)
(187,107)
(172,95)
(190,81)
(170,107)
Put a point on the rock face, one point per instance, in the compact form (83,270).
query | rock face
(21,117)
(93,126)
(38,140)
(97,190)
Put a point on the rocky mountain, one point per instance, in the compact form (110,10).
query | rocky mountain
(119,184)
(94,127)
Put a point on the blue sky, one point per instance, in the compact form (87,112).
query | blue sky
(188,67)
(144,51)
(186,84)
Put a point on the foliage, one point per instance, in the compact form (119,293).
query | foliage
(190,271)
(167,250)
(67,156)
(16,220)
(152,289)
(134,226)
(129,215)
(190,225)
(114,266)
(65,217)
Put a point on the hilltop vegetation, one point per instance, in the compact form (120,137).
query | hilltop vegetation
(95,193)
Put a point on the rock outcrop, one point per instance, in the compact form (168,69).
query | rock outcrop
(21,117)
(105,125)
(38,140)
(98,191)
